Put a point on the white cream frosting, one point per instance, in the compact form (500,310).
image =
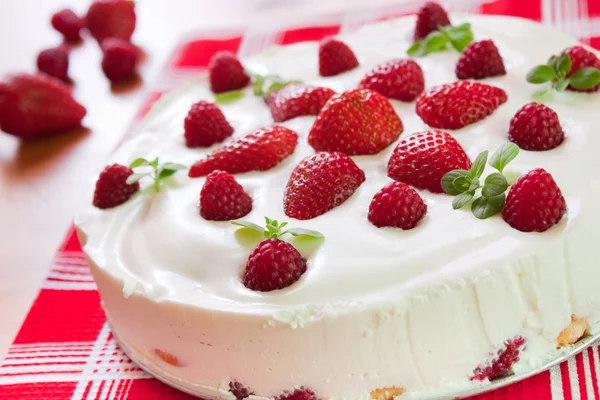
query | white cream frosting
(418,298)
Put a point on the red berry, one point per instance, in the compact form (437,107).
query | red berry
(226,73)
(430,17)
(68,23)
(112,188)
(273,264)
(422,159)
(456,105)
(119,59)
(534,203)
(296,100)
(111,19)
(258,151)
(500,366)
(335,57)
(239,391)
(581,58)
(298,394)
(54,62)
(223,199)
(480,60)
(397,205)
(205,125)
(356,122)
(397,79)
(319,183)
(536,127)
(37,105)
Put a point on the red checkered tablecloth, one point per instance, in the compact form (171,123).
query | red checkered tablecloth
(65,349)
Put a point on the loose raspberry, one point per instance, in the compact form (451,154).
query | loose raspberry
(534,203)
(226,73)
(298,394)
(320,183)
(205,125)
(111,187)
(536,127)
(480,60)
(223,199)
(68,24)
(119,59)
(111,19)
(296,100)
(581,58)
(54,62)
(272,265)
(422,159)
(335,57)
(501,366)
(239,391)
(430,17)
(397,79)
(397,205)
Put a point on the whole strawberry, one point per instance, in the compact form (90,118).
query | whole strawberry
(112,188)
(54,62)
(581,58)
(356,122)
(68,24)
(296,100)
(205,125)
(119,59)
(397,79)
(422,159)
(37,105)
(298,394)
(501,366)
(335,57)
(223,199)
(536,127)
(480,60)
(320,183)
(534,203)
(111,19)
(430,17)
(258,151)
(456,105)
(397,205)
(226,73)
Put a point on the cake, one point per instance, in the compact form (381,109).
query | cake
(444,306)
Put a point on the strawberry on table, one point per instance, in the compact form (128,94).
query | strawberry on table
(397,205)
(296,100)
(335,57)
(536,127)
(205,125)
(54,62)
(112,188)
(222,198)
(119,59)
(430,17)
(397,79)
(480,60)
(68,24)
(226,73)
(111,19)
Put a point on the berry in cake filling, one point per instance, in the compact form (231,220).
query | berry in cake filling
(456,105)
(239,390)
(298,394)
(205,125)
(397,205)
(154,169)
(429,18)
(112,188)
(119,59)
(68,24)
(223,199)
(422,159)
(226,73)
(577,329)
(501,366)
(536,127)
(54,62)
(111,19)
(320,183)
(480,60)
(456,37)
(258,151)
(355,122)
(397,79)
(296,100)
(386,393)
(167,357)
(335,57)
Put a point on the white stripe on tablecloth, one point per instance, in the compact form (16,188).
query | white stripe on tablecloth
(72,257)
(556,388)
(89,368)
(65,276)
(45,354)
(72,358)
(596,363)
(40,368)
(588,375)
(50,345)
(61,285)
(574,379)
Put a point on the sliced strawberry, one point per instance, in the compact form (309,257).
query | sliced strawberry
(430,17)
(335,57)
(226,73)
(480,60)
(397,79)
(296,100)
(111,19)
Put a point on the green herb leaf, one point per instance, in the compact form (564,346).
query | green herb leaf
(505,154)
(434,42)
(479,164)
(229,97)
(133,178)
(462,183)
(138,162)
(154,163)
(447,181)
(553,63)
(564,65)
(585,78)
(495,184)
(257,85)
(484,207)
(164,173)
(462,199)
(304,232)
(174,166)
(458,36)
(541,74)
(561,84)
(249,225)
(474,184)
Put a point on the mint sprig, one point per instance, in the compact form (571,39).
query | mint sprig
(274,229)
(157,171)
(262,86)
(556,70)
(466,186)
(457,37)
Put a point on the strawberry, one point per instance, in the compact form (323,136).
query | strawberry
(430,17)
(535,127)
(119,59)
(226,73)
(422,159)
(258,151)
(272,265)
(112,188)
(456,105)
(500,366)
(397,205)
(223,199)
(239,391)
(335,57)
(534,203)
(205,125)
(68,24)
(319,183)
(54,62)
(356,122)
(37,105)
(581,58)
(111,19)
(298,394)
(397,79)
(480,60)
(293,101)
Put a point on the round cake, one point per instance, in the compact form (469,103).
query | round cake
(369,310)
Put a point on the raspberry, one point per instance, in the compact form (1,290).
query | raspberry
(239,391)
(112,189)
(111,19)
(581,58)
(68,24)
(298,394)
(397,79)
(226,73)
(480,60)
(335,57)
(54,62)
(223,199)
(119,59)
(205,125)
(430,17)
(397,205)
(536,127)
(500,367)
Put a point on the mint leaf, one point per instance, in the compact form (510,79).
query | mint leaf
(462,199)
(249,225)
(229,97)
(505,154)
(304,232)
(154,163)
(541,74)
(434,42)
(447,181)
(458,36)
(561,84)
(462,183)
(563,65)
(484,207)
(174,166)
(585,78)
(257,85)
(418,49)
(138,162)
(133,178)
(166,173)
(474,184)
(495,184)
(479,164)
(553,63)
